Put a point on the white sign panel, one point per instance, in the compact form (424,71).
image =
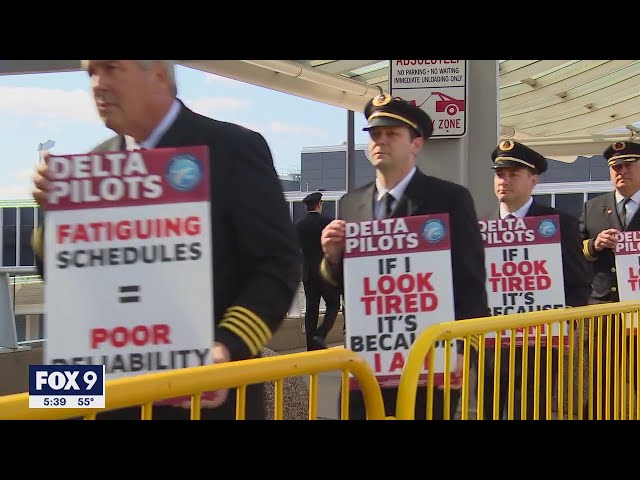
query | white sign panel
(523,260)
(628,265)
(128,261)
(398,281)
(627,255)
(439,87)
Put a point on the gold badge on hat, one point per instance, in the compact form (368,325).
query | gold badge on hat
(619,145)
(506,145)
(381,100)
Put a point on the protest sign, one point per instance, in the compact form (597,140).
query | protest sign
(128,260)
(398,281)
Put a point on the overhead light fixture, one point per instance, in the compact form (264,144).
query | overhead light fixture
(507,131)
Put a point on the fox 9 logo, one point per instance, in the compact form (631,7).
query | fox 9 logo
(66,379)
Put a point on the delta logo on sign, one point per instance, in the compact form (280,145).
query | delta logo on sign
(439,87)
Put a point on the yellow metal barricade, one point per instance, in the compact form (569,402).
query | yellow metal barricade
(595,351)
(143,390)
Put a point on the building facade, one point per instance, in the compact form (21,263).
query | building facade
(565,186)
(17,221)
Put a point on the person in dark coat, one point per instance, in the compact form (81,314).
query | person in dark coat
(309,229)
(603,219)
(398,130)
(256,257)
(517,169)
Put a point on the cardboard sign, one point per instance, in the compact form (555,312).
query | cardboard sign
(398,281)
(128,261)
(627,255)
(523,260)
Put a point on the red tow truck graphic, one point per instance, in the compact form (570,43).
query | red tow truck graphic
(446,103)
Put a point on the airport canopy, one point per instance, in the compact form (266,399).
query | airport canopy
(559,107)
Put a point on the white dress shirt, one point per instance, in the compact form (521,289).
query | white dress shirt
(396,192)
(631,206)
(156,134)
(521,212)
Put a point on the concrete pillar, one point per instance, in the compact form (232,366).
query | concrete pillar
(467,160)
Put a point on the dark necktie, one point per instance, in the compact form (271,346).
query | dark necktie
(509,216)
(623,213)
(388,202)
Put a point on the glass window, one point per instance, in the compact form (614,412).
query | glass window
(21,327)
(543,199)
(26,216)
(9,236)
(26,253)
(34,327)
(591,195)
(9,246)
(9,216)
(571,203)
(41,326)
(299,211)
(329,208)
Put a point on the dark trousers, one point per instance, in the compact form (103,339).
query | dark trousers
(314,288)
(601,343)
(503,393)
(255,409)
(357,409)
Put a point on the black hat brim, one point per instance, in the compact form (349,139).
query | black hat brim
(623,159)
(385,122)
(511,164)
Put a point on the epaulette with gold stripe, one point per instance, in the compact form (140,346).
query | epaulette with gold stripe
(248,326)
(586,252)
(325,272)
(37,241)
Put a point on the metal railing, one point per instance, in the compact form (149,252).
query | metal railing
(597,342)
(144,390)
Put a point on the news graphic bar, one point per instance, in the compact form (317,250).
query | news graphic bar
(66,386)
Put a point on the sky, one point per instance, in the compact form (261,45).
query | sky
(59,106)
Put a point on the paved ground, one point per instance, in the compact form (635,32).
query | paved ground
(329,390)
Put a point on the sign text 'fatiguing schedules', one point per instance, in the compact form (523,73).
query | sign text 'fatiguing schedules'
(128,260)
(398,281)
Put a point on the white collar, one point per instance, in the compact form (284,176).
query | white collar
(521,212)
(398,190)
(635,197)
(157,132)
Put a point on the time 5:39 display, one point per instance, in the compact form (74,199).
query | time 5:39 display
(54,401)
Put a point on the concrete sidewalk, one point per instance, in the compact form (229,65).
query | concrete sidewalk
(328,388)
